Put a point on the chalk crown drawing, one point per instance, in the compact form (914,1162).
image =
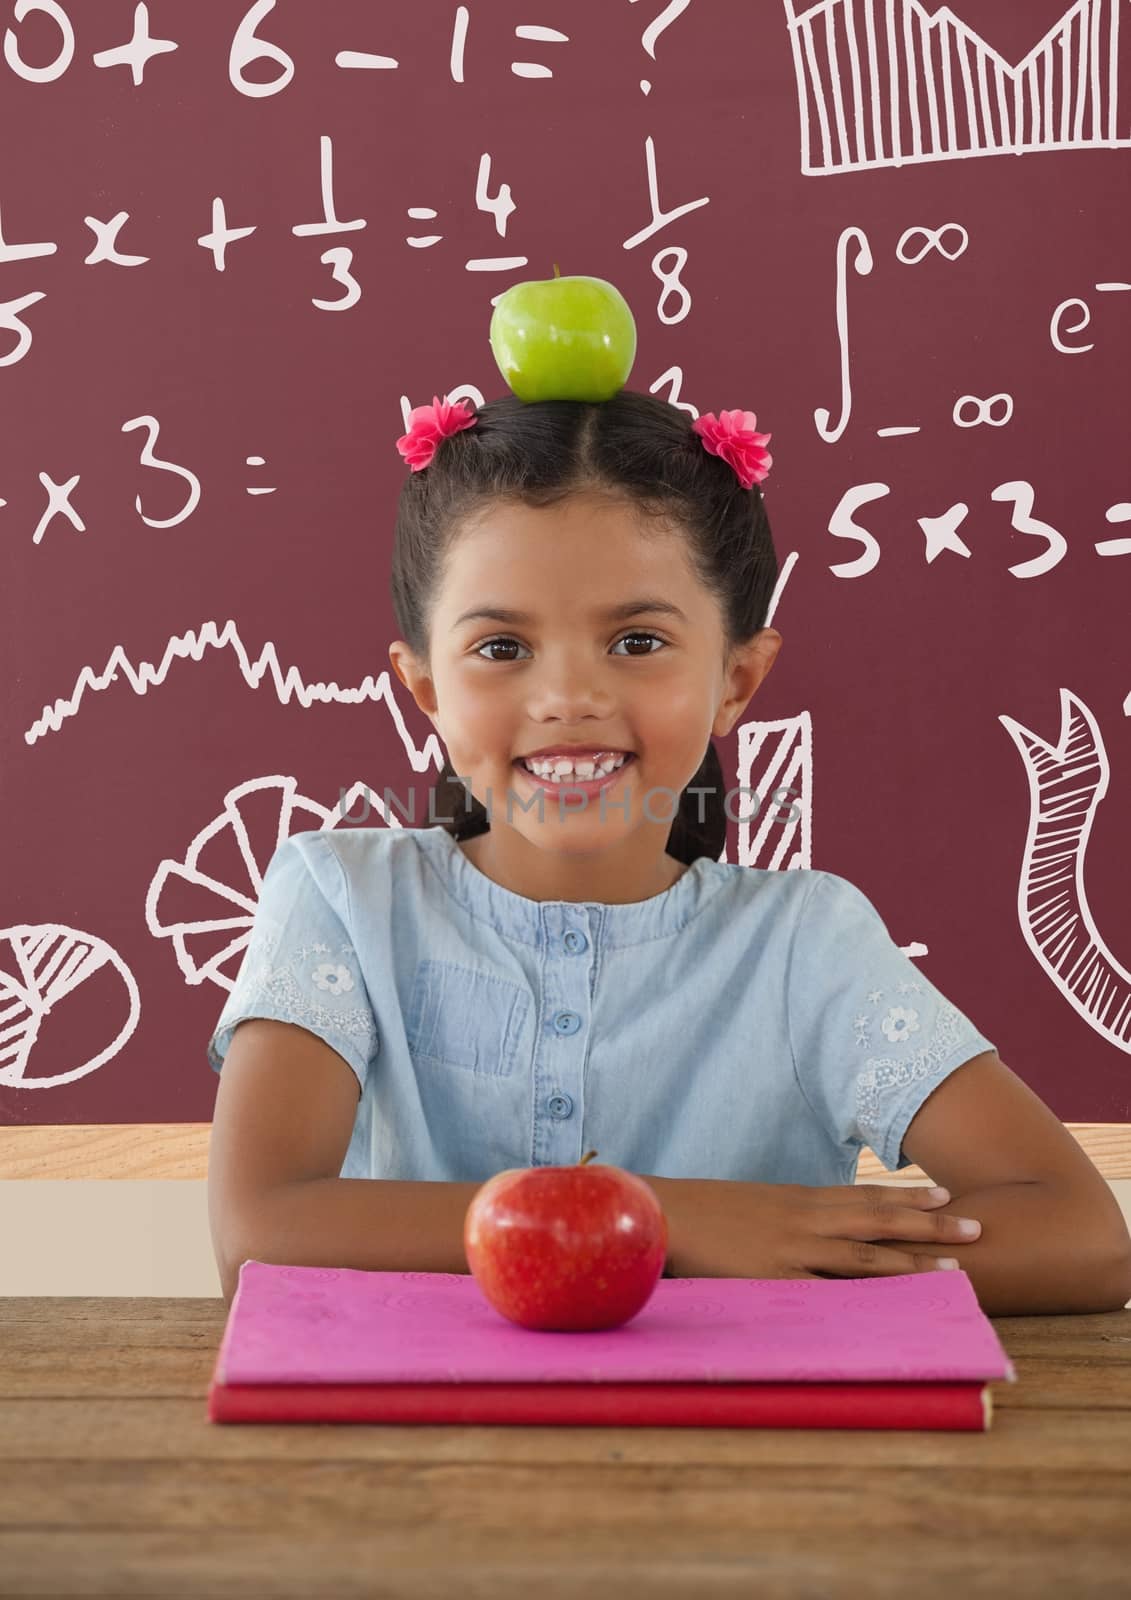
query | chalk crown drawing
(884,83)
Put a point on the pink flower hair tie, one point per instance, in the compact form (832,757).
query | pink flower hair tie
(427,425)
(733,436)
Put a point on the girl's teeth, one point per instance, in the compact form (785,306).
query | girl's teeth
(561,771)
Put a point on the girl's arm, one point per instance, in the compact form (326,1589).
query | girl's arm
(1053,1237)
(369,1224)
(280,1130)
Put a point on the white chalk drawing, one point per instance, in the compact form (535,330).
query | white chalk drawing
(776,758)
(932,240)
(862,263)
(673,9)
(988,411)
(59,501)
(784,574)
(289,685)
(1067,781)
(942,532)
(1074,303)
(1120,512)
(257,461)
(673,378)
(741,809)
(984,410)
(231,907)
(464,391)
(660,217)
(40,965)
(774,806)
(885,83)
(535,31)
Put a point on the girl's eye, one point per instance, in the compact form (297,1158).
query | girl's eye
(488,644)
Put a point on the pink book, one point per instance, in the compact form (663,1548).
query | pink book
(321,1344)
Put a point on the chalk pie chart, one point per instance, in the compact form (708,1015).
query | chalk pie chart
(62,992)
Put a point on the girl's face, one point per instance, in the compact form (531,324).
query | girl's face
(565,669)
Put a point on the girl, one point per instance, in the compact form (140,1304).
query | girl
(556,960)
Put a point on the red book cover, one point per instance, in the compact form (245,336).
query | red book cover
(615,1405)
(316,1344)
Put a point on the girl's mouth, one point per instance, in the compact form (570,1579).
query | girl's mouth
(576,785)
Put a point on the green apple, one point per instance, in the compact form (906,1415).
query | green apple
(563,338)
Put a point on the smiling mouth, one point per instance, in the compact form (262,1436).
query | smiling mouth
(600,781)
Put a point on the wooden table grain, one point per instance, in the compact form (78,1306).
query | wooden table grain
(115,1483)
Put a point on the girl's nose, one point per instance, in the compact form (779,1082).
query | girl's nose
(570,691)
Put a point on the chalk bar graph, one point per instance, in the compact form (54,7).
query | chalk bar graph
(885,83)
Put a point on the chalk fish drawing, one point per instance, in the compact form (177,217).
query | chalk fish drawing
(1066,784)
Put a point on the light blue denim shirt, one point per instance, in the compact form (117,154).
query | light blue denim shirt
(746,1023)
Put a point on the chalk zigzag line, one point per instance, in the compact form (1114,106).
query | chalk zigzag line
(288,685)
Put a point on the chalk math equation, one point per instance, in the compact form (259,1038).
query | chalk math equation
(673,305)
(250,49)
(940,532)
(914,245)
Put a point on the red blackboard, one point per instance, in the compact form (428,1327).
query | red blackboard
(236,250)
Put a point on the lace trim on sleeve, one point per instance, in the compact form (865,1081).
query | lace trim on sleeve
(883,1078)
(328,969)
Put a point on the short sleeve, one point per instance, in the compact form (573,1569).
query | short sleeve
(871,1036)
(300,965)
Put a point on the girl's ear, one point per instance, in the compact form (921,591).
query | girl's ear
(402,660)
(415,678)
(749,666)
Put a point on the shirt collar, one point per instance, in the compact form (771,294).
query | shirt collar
(539,921)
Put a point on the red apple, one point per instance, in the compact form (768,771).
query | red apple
(569,1249)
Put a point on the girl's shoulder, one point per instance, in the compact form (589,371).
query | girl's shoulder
(786,889)
(790,885)
(362,862)
(357,845)
(804,911)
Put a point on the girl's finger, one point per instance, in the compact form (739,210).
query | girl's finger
(891,1219)
(909,1194)
(860,1258)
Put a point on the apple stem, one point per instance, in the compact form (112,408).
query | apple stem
(557,274)
(588,1156)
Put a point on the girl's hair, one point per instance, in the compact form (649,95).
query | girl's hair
(634,446)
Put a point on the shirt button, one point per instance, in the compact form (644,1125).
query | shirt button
(567,1022)
(560,1105)
(575,942)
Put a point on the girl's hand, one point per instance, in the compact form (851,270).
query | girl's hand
(724,1229)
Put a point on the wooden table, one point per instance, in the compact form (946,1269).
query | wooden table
(113,1482)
